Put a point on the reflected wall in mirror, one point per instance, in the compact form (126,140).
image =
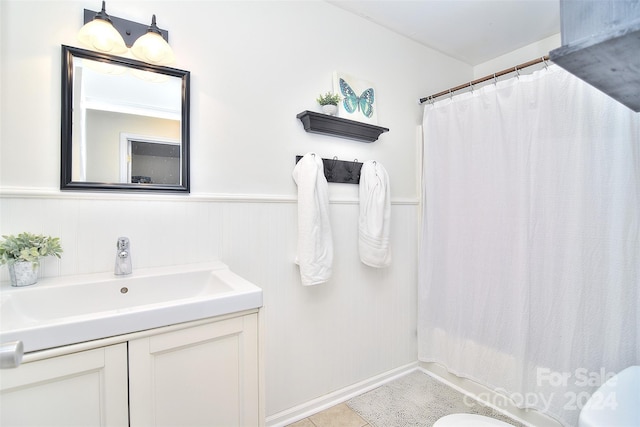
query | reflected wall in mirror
(125,124)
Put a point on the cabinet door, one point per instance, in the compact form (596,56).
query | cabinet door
(205,375)
(79,389)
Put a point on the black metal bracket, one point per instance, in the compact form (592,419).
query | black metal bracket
(341,171)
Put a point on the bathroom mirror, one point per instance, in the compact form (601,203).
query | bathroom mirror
(125,124)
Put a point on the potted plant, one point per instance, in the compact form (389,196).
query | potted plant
(329,102)
(22,254)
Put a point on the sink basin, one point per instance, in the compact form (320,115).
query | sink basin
(67,310)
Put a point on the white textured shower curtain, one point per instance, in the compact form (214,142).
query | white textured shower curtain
(530,252)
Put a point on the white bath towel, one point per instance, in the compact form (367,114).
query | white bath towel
(375,214)
(315,244)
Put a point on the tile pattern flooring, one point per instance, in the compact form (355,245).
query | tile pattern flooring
(336,416)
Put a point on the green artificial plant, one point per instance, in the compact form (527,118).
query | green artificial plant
(328,99)
(28,247)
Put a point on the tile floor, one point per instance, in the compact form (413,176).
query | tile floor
(336,416)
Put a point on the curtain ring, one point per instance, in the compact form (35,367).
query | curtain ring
(495,79)
(517,72)
(450,94)
(471,86)
(546,64)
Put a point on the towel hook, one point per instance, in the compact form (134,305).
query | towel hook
(333,162)
(329,166)
(350,167)
(355,164)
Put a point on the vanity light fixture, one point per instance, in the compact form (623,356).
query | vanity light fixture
(100,34)
(110,34)
(152,47)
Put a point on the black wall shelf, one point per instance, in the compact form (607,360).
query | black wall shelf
(336,126)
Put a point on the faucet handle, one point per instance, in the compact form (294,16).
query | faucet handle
(123,257)
(123,243)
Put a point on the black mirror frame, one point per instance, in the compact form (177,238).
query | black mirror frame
(66,120)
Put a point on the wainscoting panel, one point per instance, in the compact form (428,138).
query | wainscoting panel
(318,339)
(163,231)
(325,337)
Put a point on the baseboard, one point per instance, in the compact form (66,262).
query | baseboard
(528,417)
(311,407)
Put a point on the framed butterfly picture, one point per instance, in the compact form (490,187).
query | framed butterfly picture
(358,98)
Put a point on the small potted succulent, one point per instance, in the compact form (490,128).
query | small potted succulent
(22,255)
(329,102)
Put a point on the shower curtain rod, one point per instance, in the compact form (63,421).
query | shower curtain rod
(485,78)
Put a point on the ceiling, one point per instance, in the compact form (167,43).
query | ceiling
(473,31)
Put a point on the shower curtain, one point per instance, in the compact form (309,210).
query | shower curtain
(529,278)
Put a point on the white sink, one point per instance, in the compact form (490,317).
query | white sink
(67,310)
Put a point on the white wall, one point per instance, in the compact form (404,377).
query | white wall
(518,56)
(509,60)
(254,66)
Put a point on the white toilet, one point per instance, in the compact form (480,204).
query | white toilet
(616,403)
(625,412)
(469,420)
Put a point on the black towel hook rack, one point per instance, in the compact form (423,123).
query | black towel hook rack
(340,171)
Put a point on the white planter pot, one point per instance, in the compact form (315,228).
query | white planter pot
(23,273)
(330,109)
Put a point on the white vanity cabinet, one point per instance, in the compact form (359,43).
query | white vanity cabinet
(202,373)
(205,375)
(87,388)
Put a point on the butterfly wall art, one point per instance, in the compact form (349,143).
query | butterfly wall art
(358,98)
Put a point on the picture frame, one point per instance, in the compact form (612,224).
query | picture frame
(359,98)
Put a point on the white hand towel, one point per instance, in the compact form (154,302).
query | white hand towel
(375,214)
(315,244)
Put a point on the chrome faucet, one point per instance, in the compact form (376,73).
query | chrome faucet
(123,257)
